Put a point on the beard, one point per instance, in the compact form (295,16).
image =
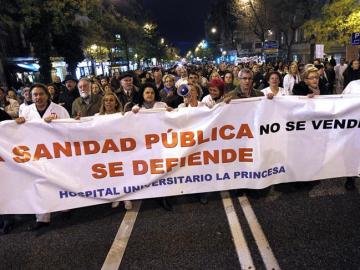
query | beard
(84,95)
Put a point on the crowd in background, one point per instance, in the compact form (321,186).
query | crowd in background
(333,78)
(180,86)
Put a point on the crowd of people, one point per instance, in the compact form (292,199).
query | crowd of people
(178,87)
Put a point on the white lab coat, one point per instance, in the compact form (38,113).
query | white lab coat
(30,112)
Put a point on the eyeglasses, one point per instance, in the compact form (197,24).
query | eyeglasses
(246,78)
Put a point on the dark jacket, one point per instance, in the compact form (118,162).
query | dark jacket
(301,89)
(173,100)
(67,98)
(237,94)
(79,106)
(330,74)
(124,98)
(350,75)
(4,116)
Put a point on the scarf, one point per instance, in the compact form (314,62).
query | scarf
(148,105)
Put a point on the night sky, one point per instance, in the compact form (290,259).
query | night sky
(181,22)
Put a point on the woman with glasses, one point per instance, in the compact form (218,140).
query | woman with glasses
(310,84)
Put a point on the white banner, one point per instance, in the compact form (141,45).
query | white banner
(250,143)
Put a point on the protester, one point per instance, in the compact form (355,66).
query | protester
(25,93)
(53,93)
(339,70)
(42,108)
(352,72)
(11,94)
(87,104)
(192,99)
(10,106)
(291,78)
(229,82)
(110,104)
(169,93)
(273,78)
(127,92)
(216,92)
(96,89)
(310,84)
(150,99)
(71,93)
(245,88)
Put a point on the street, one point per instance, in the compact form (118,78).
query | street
(316,229)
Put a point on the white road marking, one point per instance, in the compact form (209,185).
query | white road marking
(117,250)
(259,236)
(241,246)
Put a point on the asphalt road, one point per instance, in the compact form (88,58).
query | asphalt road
(303,229)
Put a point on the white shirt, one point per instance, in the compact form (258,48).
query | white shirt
(208,100)
(282,91)
(290,81)
(21,108)
(31,113)
(157,105)
(352,88)
(339,70)
(200,104)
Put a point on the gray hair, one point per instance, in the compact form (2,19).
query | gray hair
(245,70)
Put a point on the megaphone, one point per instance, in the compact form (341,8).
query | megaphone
(183,90)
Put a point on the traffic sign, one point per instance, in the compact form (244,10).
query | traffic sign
(355,39)
(271,44)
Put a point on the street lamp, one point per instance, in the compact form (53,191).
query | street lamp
(162,40)
(213,30)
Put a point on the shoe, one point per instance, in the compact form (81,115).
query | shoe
(128,205)
(38,225)
(350,184)
(165,204)
(115,204)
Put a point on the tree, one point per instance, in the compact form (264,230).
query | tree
(255,15)
(338,20)
(291,17)
(56,27)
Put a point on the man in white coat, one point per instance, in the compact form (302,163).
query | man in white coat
(42,108)
(339,70)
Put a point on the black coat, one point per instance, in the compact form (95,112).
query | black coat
(350,75)
(173,100)
(301,89)
(124,98)
(67,98)
(4,116)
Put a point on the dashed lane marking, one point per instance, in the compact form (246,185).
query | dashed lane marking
(117,250)
(259,236)
(241,246)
